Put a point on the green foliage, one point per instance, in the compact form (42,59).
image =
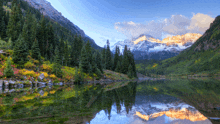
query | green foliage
(15,23)
(98,61)
(116,57)
(35,51)
(125,61)
(84,63)
(29,65)
(8,71)
(118,67)
(130,72)
(108,58)
(77,76)
(66,55)
(20,52)
(3,28)
(56,69)
(104,58)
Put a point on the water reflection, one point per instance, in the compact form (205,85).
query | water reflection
(147,102)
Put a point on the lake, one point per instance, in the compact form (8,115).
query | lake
(176,101)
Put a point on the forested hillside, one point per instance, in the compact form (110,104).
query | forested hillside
(202,57)
(36,42)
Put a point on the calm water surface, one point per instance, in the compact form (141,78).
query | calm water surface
(147,102)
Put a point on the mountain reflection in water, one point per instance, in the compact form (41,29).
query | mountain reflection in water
(149,102)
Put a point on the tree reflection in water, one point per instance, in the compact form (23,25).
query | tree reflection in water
(60,103)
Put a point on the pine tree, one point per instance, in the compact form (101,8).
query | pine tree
(116,58)
(84,63)
(29,29)
(25,34)
(90,70)
(98,61)
(41,36)
(51,41)
(8,71)
(76,50)
(56,69)
(51,53)
(3,29)
(89,52)
(125,61)
(15,23)
(20,52)
(104,57)
(66,55)
(35,51)
(33,29)
(73,52)
(108,57)
(1,9)
(77,76)
(118,67)
(61,48)
(130,72)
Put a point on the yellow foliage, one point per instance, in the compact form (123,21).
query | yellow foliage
(155,89)
(45,94)
(155,65)
(53,76)
(28,73)
(94,75)
(45,74)
(36,62)
(46,67)
(52,92)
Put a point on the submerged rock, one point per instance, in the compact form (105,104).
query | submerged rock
(41,92)
(1,83)
(41,76)
(12,82)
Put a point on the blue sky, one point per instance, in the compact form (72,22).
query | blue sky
(121,19)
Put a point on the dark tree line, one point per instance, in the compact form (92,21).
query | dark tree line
(30,33)
(123,63)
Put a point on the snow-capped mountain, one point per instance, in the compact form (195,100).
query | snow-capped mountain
(147,47)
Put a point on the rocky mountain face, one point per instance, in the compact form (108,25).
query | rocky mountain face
(210,39)
(48,10)
(147,47)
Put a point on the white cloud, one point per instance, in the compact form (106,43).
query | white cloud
(131,29)
(175,25)
(200,23)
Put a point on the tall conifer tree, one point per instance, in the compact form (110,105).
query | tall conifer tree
(104,57)
(125,61)
(66,55)
(8,71)
(20,52)
(15,23)
(3,29)
(84,63)
(108,57)
(35,51)
(98,61)
(41,35)
(116,58)
(56,69)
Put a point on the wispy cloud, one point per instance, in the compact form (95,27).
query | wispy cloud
(175,25)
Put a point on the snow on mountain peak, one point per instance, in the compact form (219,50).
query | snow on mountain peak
(147,44)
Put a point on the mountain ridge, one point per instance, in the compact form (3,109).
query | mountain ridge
(145,46)
(47,9)
(203,57)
